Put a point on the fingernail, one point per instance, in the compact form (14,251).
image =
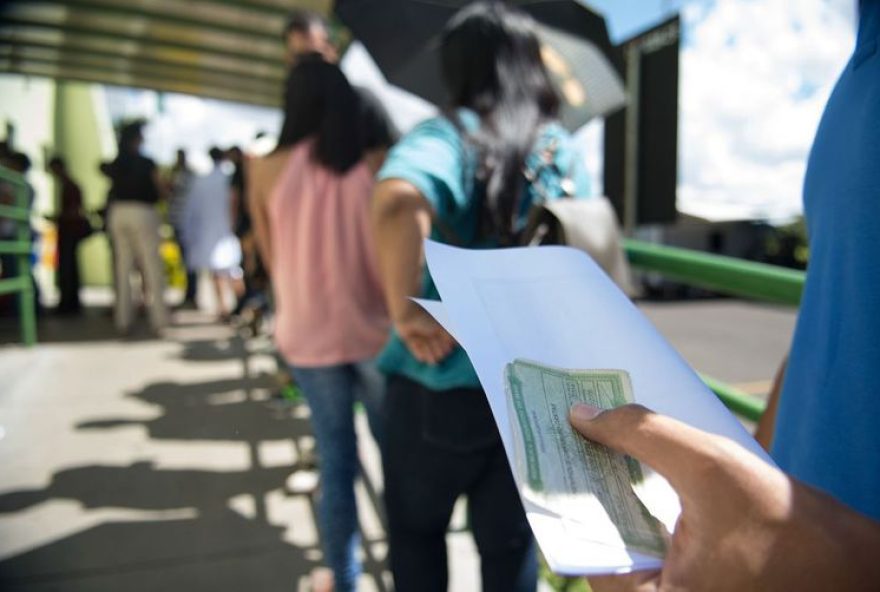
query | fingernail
(584,412)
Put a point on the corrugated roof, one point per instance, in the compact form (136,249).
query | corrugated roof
(224,49)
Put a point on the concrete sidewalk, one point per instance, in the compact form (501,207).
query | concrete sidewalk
(162,465)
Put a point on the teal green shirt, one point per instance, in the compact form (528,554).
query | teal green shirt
(435,159)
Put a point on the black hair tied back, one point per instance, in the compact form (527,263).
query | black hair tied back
(491,60)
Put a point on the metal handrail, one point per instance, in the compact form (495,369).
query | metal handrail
(21,283)
(727,275)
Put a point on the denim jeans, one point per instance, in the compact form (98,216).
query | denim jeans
(441,445)
(331,392)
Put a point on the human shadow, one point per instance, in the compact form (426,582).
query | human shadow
(142,486)
(89,325)
(212,350)
(213,410)
(196,535)
(209,546)
(221,552)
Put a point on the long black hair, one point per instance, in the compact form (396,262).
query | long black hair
(319,103)
(491,61)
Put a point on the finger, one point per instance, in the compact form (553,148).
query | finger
(437,351)
(674,449)
(418,350)
(441,345)
(449,342)
(427,353)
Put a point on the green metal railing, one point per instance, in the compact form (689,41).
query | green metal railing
(727,275)
(21,283)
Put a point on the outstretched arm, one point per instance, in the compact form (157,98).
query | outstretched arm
(401,219)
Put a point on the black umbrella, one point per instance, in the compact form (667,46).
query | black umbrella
(403,37)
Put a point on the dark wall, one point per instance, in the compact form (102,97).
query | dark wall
(657,130)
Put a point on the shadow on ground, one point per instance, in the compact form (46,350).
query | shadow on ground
(196,539)
(92,324)
(217,549)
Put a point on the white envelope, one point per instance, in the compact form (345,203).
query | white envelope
(554,305)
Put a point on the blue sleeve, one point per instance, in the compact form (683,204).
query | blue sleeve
(430,157)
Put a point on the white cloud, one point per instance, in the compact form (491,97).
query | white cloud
(755,75)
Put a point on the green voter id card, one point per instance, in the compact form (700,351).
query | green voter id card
(585,483)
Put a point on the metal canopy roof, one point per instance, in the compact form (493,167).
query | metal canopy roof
(223,49)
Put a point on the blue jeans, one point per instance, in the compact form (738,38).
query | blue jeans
(331,392)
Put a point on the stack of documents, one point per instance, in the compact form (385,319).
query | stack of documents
(544,328)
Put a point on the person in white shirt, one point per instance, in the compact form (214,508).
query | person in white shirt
(210,244)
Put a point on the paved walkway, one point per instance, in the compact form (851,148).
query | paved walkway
(164,465)
(161,465)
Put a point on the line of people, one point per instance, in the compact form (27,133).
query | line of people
(209,218)
(334,216)
(71,223)
(208,215)
(340,222)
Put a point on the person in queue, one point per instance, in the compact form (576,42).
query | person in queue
(72,227)
(461,178)
(306,34)
(177,188)
(210,245)
(309,202)
(133,223)
(814,523)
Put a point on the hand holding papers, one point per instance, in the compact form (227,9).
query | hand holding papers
(555,306)
(571,476)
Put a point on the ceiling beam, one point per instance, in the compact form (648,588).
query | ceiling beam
(123,66)
(21,48)
(147,39)
(195,16)
(280,8)
(70,70)
(72,41)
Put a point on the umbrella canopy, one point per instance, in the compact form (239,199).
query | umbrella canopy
(403,36)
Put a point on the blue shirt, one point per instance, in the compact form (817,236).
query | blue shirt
(435,159)
(828,425)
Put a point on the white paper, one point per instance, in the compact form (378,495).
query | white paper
(554,305)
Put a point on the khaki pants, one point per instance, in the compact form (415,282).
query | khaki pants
(134,228)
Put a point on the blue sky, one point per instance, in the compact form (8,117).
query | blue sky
(754,78)
(625,18)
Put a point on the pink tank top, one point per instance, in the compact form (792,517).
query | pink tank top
(329,307)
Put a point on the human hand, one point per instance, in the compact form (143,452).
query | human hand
(424,337)
(744,525)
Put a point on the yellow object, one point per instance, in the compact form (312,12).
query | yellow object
(172,262)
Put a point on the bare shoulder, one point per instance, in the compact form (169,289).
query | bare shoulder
(263,170)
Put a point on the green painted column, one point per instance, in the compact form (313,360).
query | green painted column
(81,140)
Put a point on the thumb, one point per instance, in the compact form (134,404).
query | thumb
(668,446)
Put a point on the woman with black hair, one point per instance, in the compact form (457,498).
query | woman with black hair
(309,202)
(466,178)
